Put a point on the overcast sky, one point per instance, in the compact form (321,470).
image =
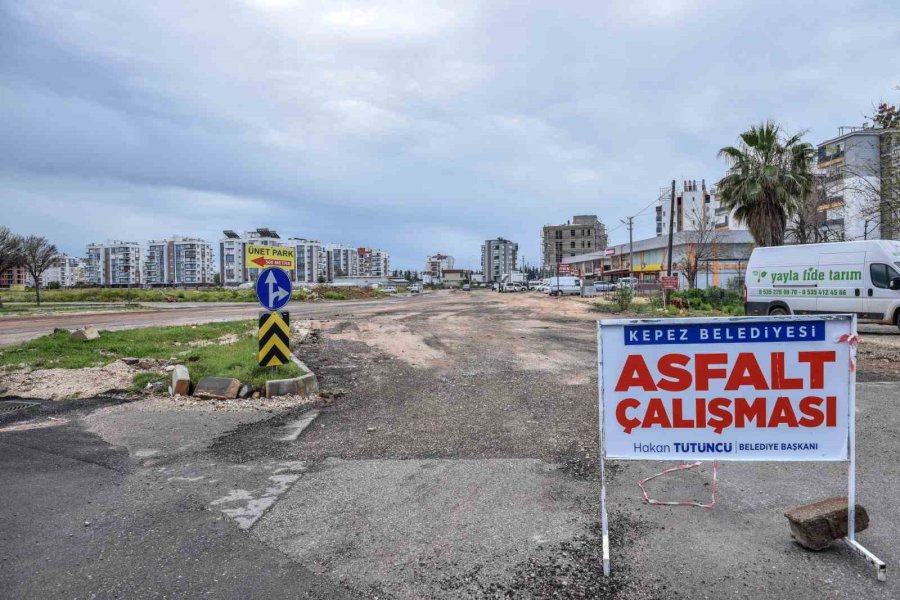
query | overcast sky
(412,126)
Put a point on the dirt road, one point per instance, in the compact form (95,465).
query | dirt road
(453,456)
(17,329)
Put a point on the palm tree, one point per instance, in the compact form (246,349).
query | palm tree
(767,175)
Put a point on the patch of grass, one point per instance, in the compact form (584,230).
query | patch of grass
(332,295)
(140,380)
(237,360)
(653,309)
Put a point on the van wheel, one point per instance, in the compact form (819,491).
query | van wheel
(778,311)
(897,319)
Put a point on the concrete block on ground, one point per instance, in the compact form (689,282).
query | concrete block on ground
(815,526)
(296,386)
(85,334)
(223,388)
(181,381)
(245,391)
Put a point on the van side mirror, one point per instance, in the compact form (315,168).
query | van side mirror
(895,283)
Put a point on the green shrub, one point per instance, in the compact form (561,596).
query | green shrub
(332,295)
(623,296)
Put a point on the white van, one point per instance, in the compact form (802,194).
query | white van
(563,286)
(843,277)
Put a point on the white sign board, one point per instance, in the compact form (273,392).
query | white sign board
(747,389)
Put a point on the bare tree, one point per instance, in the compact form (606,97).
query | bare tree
(807,224)
(10,250)
(701,240)
(37,255)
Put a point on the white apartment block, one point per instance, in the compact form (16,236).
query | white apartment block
(232,249)
(859,170)
(373,262)
(178,261)
(696,206)
(343,261)
(438,263)
(64,271)
(314,262)
(498,259)
(114,264)
(311,261)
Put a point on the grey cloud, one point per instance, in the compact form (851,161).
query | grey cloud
(400,124)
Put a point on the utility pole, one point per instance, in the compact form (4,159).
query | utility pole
(671,226)
(630,223)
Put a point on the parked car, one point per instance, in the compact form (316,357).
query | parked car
(389,289)
(604,286)
(564,286)
(843,277)
(631,282)
(466,287)
(509,286)
(415,288)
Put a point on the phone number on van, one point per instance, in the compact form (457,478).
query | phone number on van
(802,292)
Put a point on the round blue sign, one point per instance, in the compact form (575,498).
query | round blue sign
(273,288)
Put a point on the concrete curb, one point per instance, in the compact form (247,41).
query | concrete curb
(305,385)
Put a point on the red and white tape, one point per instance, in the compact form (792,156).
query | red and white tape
(853,340)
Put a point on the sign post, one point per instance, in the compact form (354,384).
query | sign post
(273,290)
(729,389)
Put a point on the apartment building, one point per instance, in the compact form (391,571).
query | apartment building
(696,207)
(584,233)
(13,277)
(342,261)
(436,264)
(373,262)
(311,261)
(859,173)
(498,259)
(66,271)
(179,261)
(114,264)
(232,253)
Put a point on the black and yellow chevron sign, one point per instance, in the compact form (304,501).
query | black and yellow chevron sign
(274,339)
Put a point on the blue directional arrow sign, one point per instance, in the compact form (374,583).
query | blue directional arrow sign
(273,288)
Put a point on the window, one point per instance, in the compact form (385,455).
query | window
(882,275)
(572,244)
(573,233)
(589,243)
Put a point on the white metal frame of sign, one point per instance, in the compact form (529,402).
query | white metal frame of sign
(829,332)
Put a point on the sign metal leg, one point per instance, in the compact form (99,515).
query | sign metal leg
(604,519)
(850,540)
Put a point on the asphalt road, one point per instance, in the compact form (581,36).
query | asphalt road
(17,329)
(453,456)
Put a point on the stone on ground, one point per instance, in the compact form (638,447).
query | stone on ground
(815,526)
(222,388)
(85,334)
(181,381)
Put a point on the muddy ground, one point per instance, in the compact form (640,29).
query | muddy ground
(454,455)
